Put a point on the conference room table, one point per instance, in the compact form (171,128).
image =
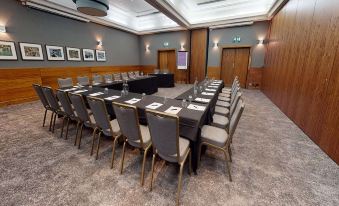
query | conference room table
(190,120)
(164,80)
(142,84)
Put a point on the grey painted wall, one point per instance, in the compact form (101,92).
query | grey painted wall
(249,36)
(28,25)
(156,42)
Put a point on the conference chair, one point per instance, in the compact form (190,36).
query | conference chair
(43,100)
(131,75)
(64,83)
(85,116)
(117,77)
(137,73)
(226,96)
(227,104)
(54,104)
(156,71)
(167,143)
(103,125)
(221,139)
(67,109)
(97,79)
(83,81)
(108,78)
(124,76)
(222,121)
(134,134)
(228,90)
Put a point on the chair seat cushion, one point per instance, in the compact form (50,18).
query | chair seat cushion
(221,110)
(220,121)
(226,89)
(223,104)
(214,135)
(225,95)
(92,123)
(225,99)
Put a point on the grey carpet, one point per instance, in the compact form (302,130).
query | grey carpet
(274,163)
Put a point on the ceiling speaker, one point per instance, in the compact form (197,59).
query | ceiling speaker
(92,7)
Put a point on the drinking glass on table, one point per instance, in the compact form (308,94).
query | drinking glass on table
(165,100)
(143,95)
(190,98)
(106,91)
(184,103)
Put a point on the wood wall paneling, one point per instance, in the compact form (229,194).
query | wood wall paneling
(300,63)
(254,78)
(213,72)
(199,40)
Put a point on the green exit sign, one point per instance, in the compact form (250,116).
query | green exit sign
(237,39)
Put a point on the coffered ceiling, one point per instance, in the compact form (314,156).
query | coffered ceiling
(149,16)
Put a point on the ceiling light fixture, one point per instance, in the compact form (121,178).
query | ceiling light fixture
(92,7)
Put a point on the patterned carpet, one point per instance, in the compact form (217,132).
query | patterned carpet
(274,163)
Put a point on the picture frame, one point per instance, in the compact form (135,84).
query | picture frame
(73,54)
(31,51)
(8,51)
(55,53)
(88,54)
(101,55)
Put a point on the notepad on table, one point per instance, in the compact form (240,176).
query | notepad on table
(196,107)
(211,90)
(202,100)
(154,105)
(207,93)
(80,91)
(96,94)
(68,90)
(173,110)
(132,101)
(112,98)
(212,86)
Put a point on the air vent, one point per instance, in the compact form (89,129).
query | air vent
(209,2)
(149,14)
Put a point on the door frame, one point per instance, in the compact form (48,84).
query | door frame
(161,50)
(237,47)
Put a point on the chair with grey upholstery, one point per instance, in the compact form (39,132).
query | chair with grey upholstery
(124,76)
(85,118)
(64,83)
(108,78)
(97,79)
(156,71)
(228,104)
(228,90)
(225,96)
(103,124)
(222,121)
(83,81)
(54,104)
(43,100)
(131,75)
(137,73)
(136,135)
(117,77)
(67,109)
(167,143)
(221,139)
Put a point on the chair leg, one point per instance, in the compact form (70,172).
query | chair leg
(94,134)
(143,166)
(123,157)
(113,150)
(67,126)
(43,123)
(55,115)
(228,169)
(62,128)
(230,152)
(76,134)
(98,146)
(80,137)
(179,183)
(190,163)
(153,159)
(51,121)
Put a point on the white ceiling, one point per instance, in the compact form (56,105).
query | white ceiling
(139,17)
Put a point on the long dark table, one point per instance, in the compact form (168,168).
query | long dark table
(144,84)
(165,80)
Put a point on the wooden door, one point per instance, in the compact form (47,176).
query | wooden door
(234,62)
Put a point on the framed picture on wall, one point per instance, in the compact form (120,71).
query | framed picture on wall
(55,53)
(88,54)
(7,51)
(73,54)
(101,55)
(31,51)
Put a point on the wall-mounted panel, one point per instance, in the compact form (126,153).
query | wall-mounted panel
(198,60)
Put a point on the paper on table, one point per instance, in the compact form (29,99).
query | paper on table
(68,90)
(202,100)
(96,83)
(212,86)
(154,105)
(173,110)
(212,90)
(80,91)
(217,81)
(132,101)
(96,94)
(196,107)
(207,93)
(215,84)
(112,98)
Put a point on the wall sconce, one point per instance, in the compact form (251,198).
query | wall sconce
(182,47)
(99,43)
(147,48)
(215,45)
(262,41)
(2,29)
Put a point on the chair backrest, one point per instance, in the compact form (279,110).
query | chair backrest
(156,71)
(164,130)
(124,76)
(100,114)
(117,76)
(50,96)
(234,94)
(137,73)
(235,103)
(127,116)
(131,75)
(84,81)
(79,105)
(165,71)
(97,78)
(41,95)
(236,117)
(66,82)
(65,103)
(108,77)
